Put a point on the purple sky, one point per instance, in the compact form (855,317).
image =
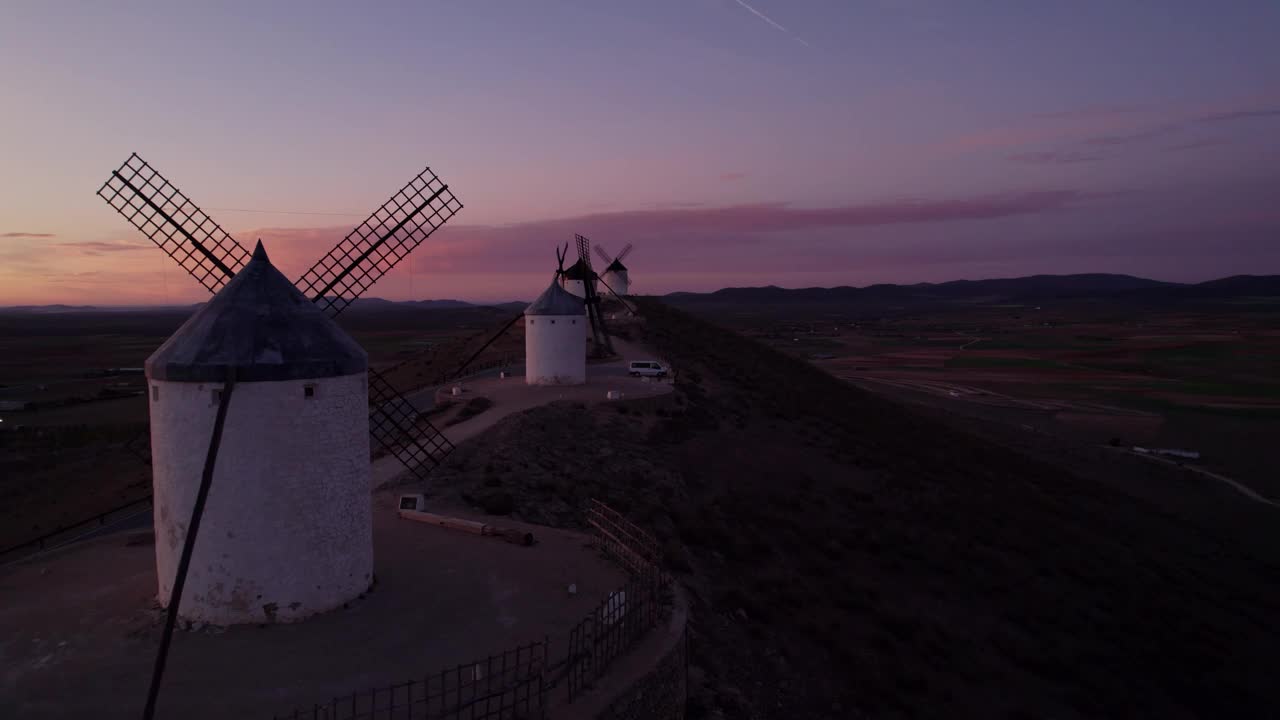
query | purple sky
(805,143)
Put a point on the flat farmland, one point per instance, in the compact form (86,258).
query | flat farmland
(73,409)
(1203,378)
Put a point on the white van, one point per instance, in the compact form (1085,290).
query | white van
(647,368)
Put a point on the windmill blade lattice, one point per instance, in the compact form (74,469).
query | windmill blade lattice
(626,250)
(353,266)
(174,223)
(603,255)
(584,253)
(393,424)
(379,243)
(600,334)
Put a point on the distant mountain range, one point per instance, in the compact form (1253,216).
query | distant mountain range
(1034,287)
(1031,288)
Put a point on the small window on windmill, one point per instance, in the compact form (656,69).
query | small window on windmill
(553,322)
(309,390)
(155,393)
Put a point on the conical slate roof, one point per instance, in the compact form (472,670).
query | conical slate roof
(555,300)
(616,266)
(263,328)
(578,271)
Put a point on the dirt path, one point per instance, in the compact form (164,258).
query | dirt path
(511,395)
(1239,487)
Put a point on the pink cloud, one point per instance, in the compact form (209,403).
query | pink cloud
(1134,136)
(26,235)
(1093,111)
(522,247)
(1197,144)
(1110,125)
(97,247)
(732,176)
(1055,157)
(1232,115)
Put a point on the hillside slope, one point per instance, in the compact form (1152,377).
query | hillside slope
(850,558)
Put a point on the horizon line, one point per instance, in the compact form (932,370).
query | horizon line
(682,292)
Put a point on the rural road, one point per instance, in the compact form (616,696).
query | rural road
(1239,487)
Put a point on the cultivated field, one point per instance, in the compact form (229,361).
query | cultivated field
(72,398)
(1203,377)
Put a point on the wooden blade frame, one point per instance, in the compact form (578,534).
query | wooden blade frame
(174,223)
(603,255)
(379,243)
(198,244)
(393,425)
(599,333)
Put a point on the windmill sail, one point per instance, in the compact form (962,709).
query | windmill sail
(603,255)
(399,429)
(353,266)
(600,334)
(613,264)
(379,243)
(174,223)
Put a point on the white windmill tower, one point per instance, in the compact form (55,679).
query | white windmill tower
(555,336)
(284,491)
(575,278)
(615,277)
(289,531)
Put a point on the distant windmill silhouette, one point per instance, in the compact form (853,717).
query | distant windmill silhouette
(615,275)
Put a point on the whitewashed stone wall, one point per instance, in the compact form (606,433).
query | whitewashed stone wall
(574,287)
(617,282)
(555,348)
(287,531)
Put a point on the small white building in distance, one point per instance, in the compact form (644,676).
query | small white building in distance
(555,339)
(574,279)
(287,529)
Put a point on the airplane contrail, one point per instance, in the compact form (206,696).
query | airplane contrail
(769,20)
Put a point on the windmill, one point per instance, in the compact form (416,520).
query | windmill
(615,276)
(602,346)
(575,278)
(201,247)
(554,335)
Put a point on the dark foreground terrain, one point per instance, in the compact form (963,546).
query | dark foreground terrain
(1067,363)
(73,413)
(849,557)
